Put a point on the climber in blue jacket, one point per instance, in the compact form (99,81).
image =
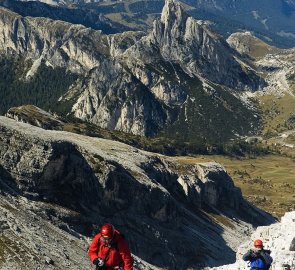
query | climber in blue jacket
(259,258)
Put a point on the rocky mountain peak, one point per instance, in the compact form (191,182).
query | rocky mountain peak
(200,51)
(172,26)
(173,15)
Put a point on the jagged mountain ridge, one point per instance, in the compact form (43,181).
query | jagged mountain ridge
(88,18)
(62,186)
(132,81)
(228,16)
(199,51)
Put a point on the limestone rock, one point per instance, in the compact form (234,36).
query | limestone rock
(278,238)
(178,38)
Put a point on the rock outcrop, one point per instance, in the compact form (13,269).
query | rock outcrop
(247,44)
(35,116)
(279,238)
(71,184)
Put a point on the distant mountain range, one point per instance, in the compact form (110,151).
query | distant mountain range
(87,17)
(271,20)
(61,2)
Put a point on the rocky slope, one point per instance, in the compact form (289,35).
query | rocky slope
(58,187)
(277,100)
(279,238)
(274,64)
(140,83)
(247,44)
(35,116)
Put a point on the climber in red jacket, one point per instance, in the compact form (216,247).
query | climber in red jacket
(109,250)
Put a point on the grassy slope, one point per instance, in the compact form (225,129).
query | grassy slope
(278,114)
(135,14)
(276,111)
(267,181)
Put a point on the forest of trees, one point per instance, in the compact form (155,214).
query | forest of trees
(43,90)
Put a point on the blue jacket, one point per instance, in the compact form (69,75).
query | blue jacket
(258,259)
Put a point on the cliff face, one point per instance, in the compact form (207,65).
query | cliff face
(55,42)
(71,184)
(136,82)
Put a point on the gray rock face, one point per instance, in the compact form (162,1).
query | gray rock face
(200,51)
(72,183)
(277,238)
(55,42)
(178,38)
(114,99)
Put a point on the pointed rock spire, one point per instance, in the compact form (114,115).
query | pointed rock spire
(173,13)
(201,51)
(172,23)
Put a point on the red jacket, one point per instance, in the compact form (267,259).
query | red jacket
(118,255)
